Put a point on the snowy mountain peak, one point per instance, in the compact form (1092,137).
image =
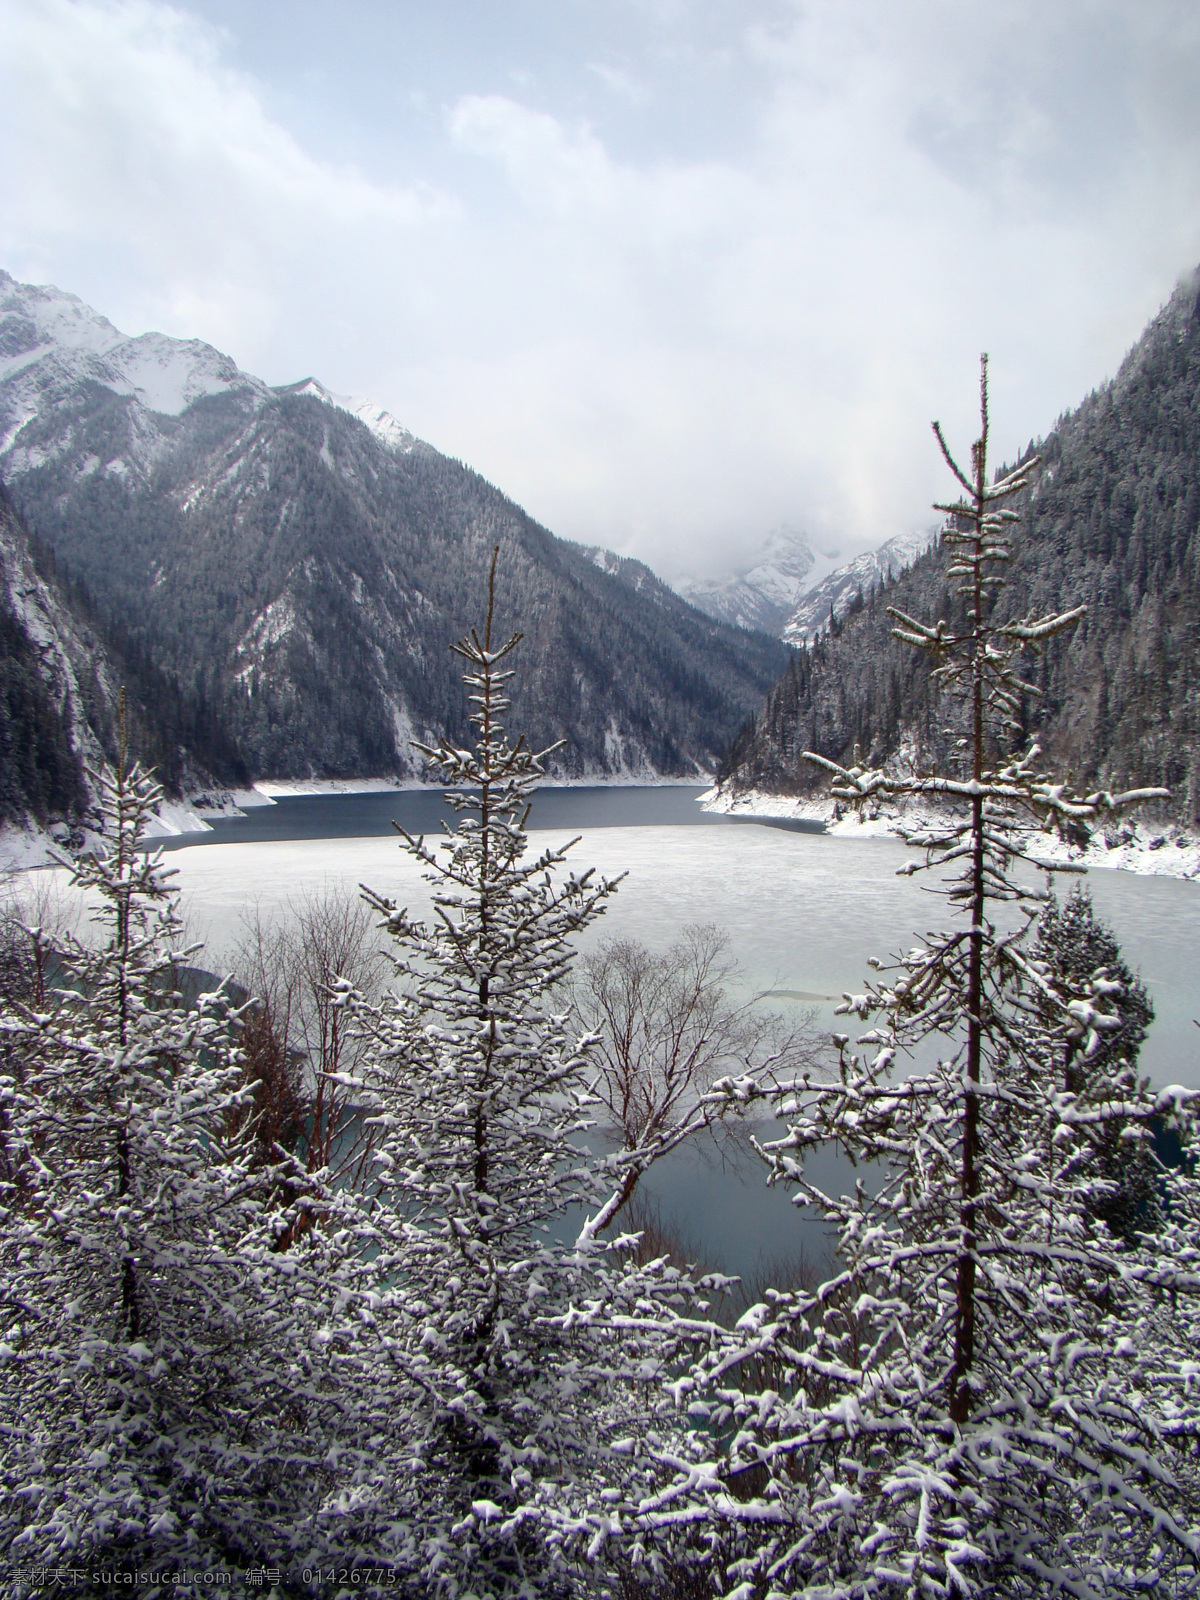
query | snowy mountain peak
(51,342)
(49,339)
(390,433)
(762,595)
(833,592)
(52,346)
(34,319)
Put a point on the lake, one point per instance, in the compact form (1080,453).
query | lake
(363,816)
(804,911)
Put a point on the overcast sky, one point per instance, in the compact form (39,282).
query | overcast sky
(670,272)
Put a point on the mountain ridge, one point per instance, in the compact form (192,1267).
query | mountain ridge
(299,562)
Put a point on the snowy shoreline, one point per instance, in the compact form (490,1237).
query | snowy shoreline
(1126,846)
(266,791)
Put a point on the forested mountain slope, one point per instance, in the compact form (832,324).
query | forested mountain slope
(1112,521)
(298,564)
(62,670)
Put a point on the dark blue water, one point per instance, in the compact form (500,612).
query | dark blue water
(417,811)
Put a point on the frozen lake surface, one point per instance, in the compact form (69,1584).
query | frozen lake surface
(803,910)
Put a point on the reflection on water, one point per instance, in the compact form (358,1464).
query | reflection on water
(715,1192)
(715,1208)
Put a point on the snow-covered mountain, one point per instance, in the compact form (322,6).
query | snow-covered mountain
(835,592)
(763,594)
(790,588)
(296,562)
(51,344)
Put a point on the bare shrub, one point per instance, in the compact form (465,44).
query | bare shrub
(659,1236)
(668,1029)
(300,1052)
(34,912)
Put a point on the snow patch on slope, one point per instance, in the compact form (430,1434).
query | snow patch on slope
(607,560)
(173,818)
(274,623)
(168,375)
(390,433)
(624,756)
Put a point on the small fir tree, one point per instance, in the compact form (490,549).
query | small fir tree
(522,1401)
(177,1387)
(1073,943)
(985,1399)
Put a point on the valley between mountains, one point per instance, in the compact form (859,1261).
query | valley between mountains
(278,572)
(272,575)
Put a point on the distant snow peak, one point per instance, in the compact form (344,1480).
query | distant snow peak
(761,595)
(790,588)
(834,592)
(390,433)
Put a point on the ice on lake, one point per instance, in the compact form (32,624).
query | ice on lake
(804,912)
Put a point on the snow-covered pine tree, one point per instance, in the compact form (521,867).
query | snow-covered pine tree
(986,1398)
(523,1404)
(1072,943)
(179,1367)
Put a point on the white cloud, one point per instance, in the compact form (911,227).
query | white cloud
(128,136)
(620,83)
(545,164)
(665,335)
(771,339)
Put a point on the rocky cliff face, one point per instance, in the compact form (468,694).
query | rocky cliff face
(63,674)
(47,665)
